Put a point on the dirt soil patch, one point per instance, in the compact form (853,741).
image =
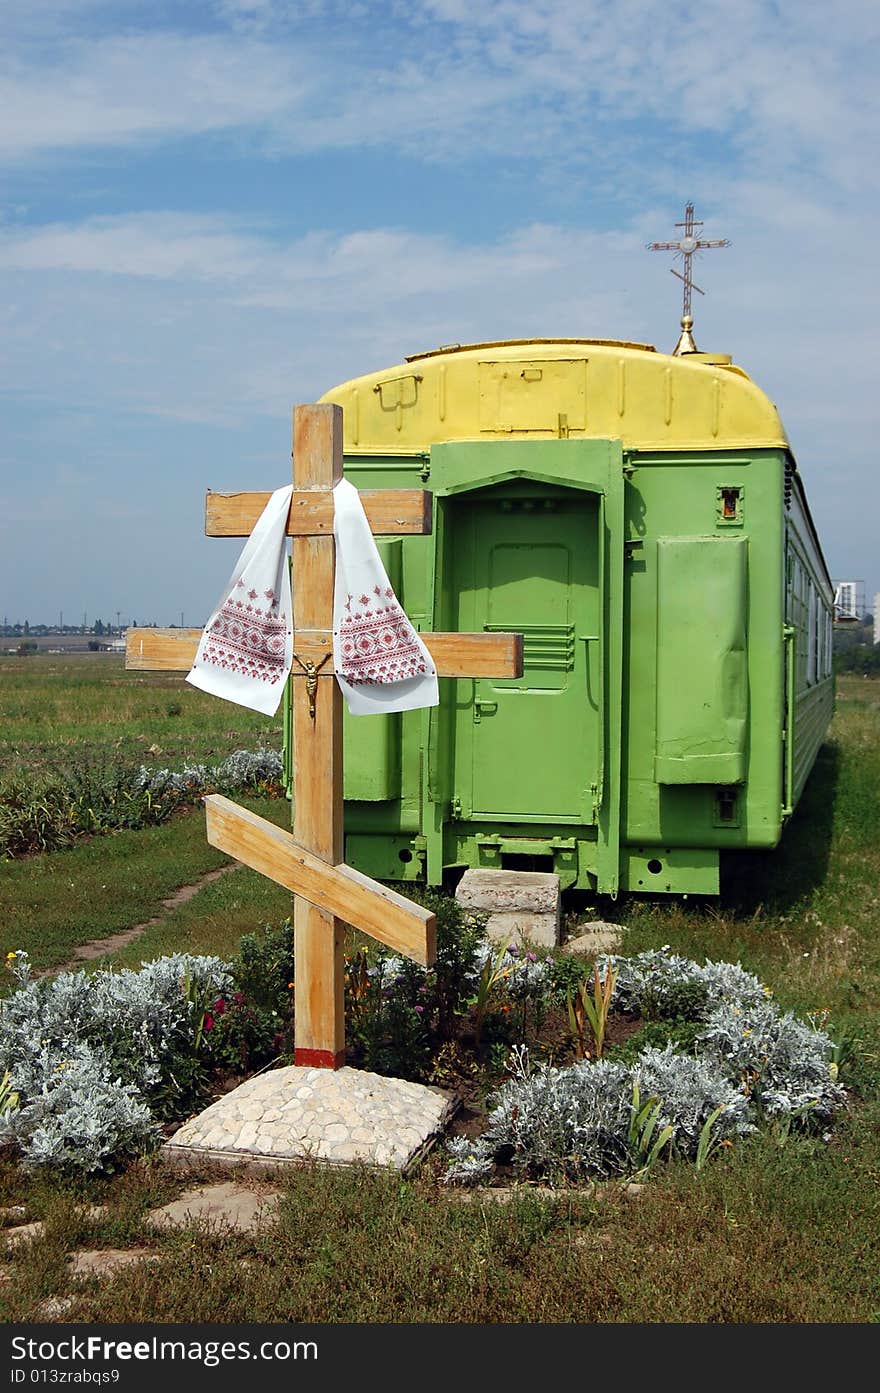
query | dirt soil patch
(474,1086)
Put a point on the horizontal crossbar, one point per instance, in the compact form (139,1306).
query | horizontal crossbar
(388,511)
(455,655)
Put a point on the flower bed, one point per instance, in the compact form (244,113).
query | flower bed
(90,798)
(654,1056)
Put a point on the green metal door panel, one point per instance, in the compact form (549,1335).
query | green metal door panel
(371,772)
(533,741)
(673,497)
(702,660)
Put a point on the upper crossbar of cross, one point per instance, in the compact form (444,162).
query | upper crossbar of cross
(328,893)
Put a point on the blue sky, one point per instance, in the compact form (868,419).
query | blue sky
(210,211)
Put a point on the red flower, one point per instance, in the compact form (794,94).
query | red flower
(208,1022)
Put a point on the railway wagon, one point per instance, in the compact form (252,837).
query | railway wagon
(640,519)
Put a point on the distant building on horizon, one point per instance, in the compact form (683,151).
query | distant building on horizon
(849,601)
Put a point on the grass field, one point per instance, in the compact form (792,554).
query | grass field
(780,1230)
(51,903)
(56,707)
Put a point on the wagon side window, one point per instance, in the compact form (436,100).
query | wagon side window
(811,634)
(820,640)
(798,618)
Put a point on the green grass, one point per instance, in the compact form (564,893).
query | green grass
(767,1235)
(55,707)
(779,1230)
(50,904)
(214,920)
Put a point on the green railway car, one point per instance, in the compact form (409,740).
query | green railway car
(639,518)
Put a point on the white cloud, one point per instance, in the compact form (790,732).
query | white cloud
(565,82)
(152,245)
(119,90)
(186,318)
(171,314)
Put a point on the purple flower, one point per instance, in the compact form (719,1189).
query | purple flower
(420,1009)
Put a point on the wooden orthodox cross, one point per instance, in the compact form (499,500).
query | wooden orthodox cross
(328,893)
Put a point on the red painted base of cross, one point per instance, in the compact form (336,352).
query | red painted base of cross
(328,893)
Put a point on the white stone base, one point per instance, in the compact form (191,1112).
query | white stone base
(296,1115)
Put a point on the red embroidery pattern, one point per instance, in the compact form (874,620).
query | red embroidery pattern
(379,644)
(246,639)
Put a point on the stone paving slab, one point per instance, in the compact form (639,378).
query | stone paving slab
(297,1115)
(106,1262)
(498,892)
(21,1233)
(504,1194)
(596,938)
(55,1306)
(228,1205)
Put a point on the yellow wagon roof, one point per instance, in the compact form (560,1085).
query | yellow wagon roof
(541,389)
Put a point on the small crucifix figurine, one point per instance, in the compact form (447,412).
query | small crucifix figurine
(328,893)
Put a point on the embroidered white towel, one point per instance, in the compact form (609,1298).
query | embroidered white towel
(381,663)
(246,650)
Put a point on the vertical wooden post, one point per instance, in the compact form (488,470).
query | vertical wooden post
(317,756)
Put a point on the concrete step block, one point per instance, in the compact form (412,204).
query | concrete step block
(523,907)
(534,891)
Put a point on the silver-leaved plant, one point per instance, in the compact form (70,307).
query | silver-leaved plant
(89,1055)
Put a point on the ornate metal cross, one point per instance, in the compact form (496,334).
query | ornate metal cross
(328,893)
(687,245)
